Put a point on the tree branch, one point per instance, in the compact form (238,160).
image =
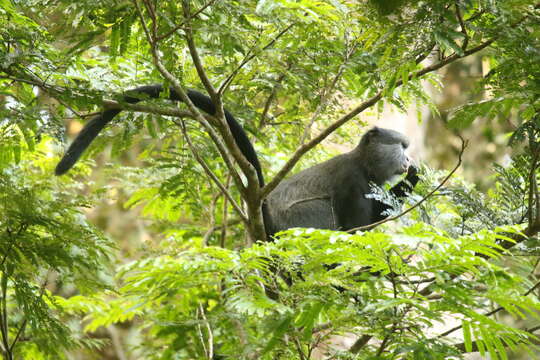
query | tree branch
(3,315)
(149,109)
(212,218)
(252,194)
(224,215)
(178,27)
(22,328)
(325,98)
(210,352)
(216,98)
(224,129)
(269,100)
(224,151)
(462,25)
(360,343)
(244,164)
(489,313)
(210,173)
(225,84)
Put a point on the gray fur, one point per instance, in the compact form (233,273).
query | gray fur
(331,195)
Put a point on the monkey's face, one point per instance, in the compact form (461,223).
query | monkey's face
(405,163)
(384,153)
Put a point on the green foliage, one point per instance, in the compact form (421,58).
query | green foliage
(375,287)
(194,288)
(46,244)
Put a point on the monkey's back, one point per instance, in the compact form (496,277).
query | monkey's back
(306,198)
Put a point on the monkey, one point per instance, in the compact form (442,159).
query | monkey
(332,195)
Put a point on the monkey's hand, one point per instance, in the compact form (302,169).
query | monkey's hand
(412,175)
(404,187)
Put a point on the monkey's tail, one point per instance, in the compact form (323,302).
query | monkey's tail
(201,101)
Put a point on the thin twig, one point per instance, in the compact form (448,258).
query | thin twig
(216,98)
(212,218)
(178,27)
(225,84)
(25,321)
(532,218)
(3,316)
(153,16)
(389,334)
(489,313)
(299,348)
(325,96)
(476,15)
(423,281)
(52,91)
(270,100)
(462,25)
(201,337)
(209,171)
(12,239)
(225,214)
(535,148)
(210,334)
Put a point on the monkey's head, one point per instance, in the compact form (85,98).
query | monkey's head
(383,153)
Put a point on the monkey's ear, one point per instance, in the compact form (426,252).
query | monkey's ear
(371,133)
(375,131)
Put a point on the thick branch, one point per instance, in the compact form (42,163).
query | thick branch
(360,343)
(183,96)
(252,193)
(222,126)
(149,109)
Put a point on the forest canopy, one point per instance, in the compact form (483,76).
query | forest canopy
(153,245)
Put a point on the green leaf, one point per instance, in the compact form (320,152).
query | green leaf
(467,338)
(277,333)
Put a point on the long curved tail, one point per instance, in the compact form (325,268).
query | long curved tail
(201,101)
